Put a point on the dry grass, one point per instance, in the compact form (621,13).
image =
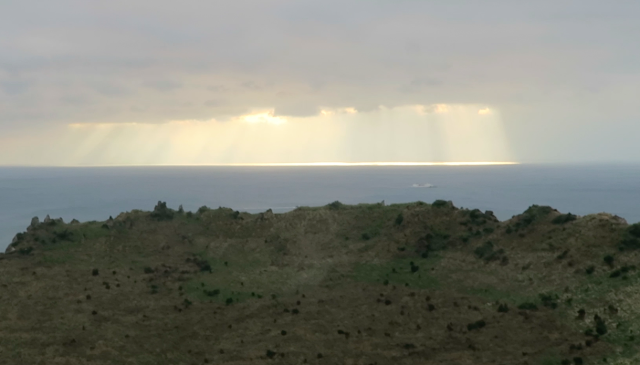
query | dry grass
(328,285)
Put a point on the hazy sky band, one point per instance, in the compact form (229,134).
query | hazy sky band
(561,79)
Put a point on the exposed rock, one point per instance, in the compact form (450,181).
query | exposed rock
(74,221)
(47,219)
(180,209)
(35,221)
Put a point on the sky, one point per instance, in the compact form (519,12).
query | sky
(141,82)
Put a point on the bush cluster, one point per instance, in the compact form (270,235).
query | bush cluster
(532,214)
(476,325)
(161,212)
(549,300)
(440,203)
(335,205)
(488,254)
(399,219)
(564,218)
(528,306)
(631,241)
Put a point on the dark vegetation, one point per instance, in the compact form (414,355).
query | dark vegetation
(363,284)
(161,212)
(564,218)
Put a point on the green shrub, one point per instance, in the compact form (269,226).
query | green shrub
(532,214)
(615,274)
(476,214)
(563,255)
(590,270)
(25,250)
(634,230)
(366,236)
(212,293)
(487,252)
(436,241)
(95,272)
(476,325)
(609,260)
(503,308)
(20,237)
(335,205)
(631,241)
(623,270)
(538,211)
(629,244)
(528,306)
(161,212)
(549,300)
(148,270)
(202,264)
(64,235)
(399,219)
(564,218)
(440,203)
(601,327)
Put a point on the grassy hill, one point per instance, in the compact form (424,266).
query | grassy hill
(365,284)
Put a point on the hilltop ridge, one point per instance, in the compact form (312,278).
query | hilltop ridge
(364,284)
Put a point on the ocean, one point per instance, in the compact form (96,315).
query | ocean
(97,193)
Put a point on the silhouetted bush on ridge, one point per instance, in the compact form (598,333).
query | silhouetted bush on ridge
(161,212)
(564,218)
(335,205)
(440,203)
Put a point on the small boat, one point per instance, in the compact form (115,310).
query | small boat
(423,186)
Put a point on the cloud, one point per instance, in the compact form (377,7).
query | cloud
(163,85)
(435,108)
(14,87)
(541,65)
(263,117)
(338,135)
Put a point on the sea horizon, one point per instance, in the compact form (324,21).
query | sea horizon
(95,193)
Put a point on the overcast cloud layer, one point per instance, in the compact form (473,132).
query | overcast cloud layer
(562,77)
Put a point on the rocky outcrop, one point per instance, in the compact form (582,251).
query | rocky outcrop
(35,222)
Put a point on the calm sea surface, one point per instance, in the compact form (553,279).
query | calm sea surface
(97,193)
